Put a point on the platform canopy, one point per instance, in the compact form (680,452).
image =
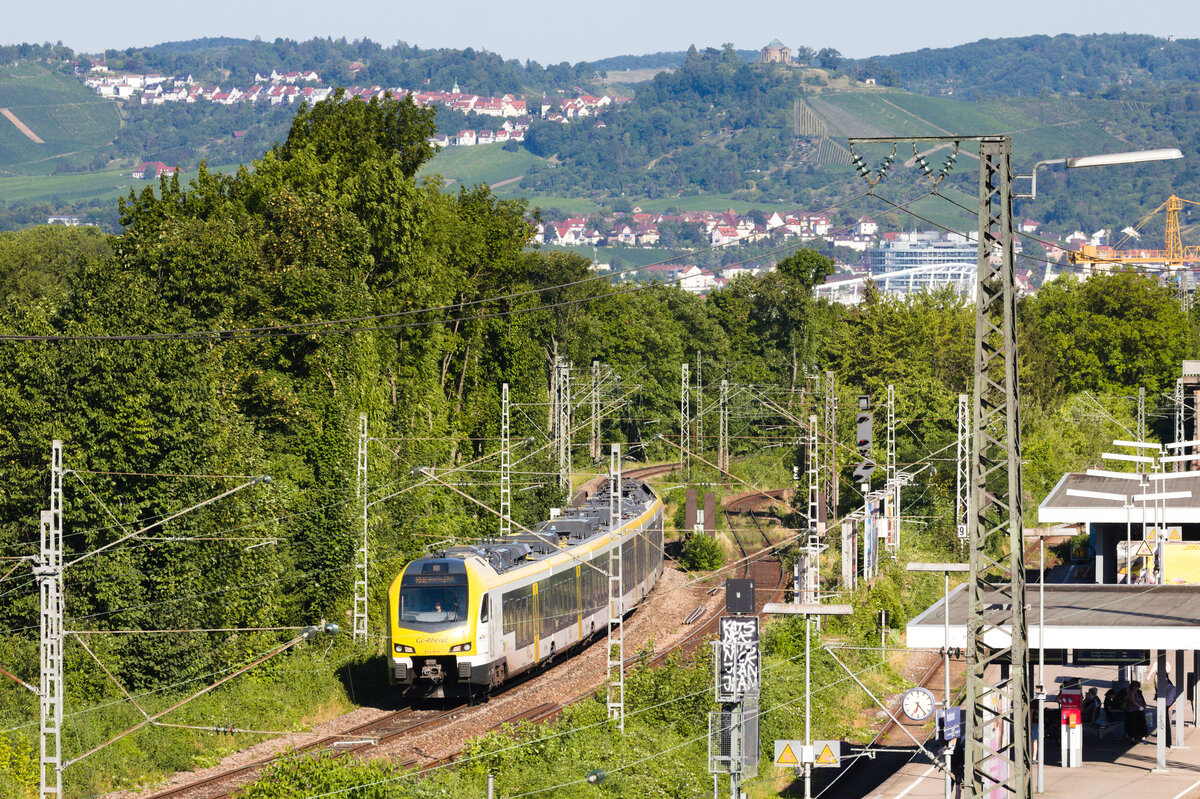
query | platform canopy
(1078,616)
(1060,507)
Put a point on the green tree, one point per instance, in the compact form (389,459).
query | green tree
(1110,333)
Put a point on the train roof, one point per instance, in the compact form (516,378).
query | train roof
(574,526)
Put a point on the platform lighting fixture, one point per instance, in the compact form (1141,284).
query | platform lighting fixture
(1107,159)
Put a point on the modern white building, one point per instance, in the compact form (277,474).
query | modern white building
(903,251)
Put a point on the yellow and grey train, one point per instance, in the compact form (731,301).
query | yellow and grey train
(470,617)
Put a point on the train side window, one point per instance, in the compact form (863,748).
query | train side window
(483,609)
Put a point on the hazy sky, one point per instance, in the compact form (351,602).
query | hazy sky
(576,31)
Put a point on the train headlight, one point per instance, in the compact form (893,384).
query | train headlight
(461,648)
(401,649)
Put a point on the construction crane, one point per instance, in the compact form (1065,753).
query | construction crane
(1173,256)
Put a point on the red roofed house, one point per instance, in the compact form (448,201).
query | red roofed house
(152,170)
(723,234)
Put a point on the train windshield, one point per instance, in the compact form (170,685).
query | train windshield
(433,607)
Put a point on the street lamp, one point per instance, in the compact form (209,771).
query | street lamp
(1108,159)
(945,568)
(808,610)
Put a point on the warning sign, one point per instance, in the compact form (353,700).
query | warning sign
(822,754)
(828,754)
(787,752)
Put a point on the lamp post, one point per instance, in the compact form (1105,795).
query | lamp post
(808,610)
(945,568)
(1108,159)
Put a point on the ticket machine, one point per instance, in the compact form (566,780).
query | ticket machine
(1070,702)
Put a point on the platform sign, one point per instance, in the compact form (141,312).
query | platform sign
(950,722)
(1111,657)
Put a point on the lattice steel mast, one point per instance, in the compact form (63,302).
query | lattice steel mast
(49,577)
(893,487)
(360,555)
(996,696)
(813,468)
(1179,419)
(685,408)
(962,472)
(830,471)
(594,449)
(505,465)
(723,429)
(616,599)
(563,423)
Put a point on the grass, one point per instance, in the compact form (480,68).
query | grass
(74,123)
(619,257)
(78,188)
(487,163)
(1034,127)
(31,189)
(708,202)
(291,693)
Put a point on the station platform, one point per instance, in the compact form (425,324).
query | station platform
(1111,768)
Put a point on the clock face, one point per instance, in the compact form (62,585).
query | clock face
(917,704)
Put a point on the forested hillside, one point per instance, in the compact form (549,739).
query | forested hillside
(714,131)
(1032,66)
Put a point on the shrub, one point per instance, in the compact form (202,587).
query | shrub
(702,553)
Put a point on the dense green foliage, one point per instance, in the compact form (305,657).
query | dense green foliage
(701,553)
(705,127)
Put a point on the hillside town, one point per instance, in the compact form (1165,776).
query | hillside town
(898,262)
(293,87)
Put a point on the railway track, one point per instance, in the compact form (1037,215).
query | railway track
(764,572)
(890,749)
(358,739)
(354,739)
(406,721)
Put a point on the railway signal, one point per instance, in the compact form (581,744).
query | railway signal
(863,438)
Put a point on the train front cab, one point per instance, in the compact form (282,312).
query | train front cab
(440,631)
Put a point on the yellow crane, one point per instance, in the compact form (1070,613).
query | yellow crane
(1173,255)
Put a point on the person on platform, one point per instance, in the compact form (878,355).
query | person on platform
(1091,705)
(1114,702)
(1135,714)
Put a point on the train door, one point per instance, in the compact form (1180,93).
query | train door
(490,632)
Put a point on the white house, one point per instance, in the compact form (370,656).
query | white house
(696,281)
